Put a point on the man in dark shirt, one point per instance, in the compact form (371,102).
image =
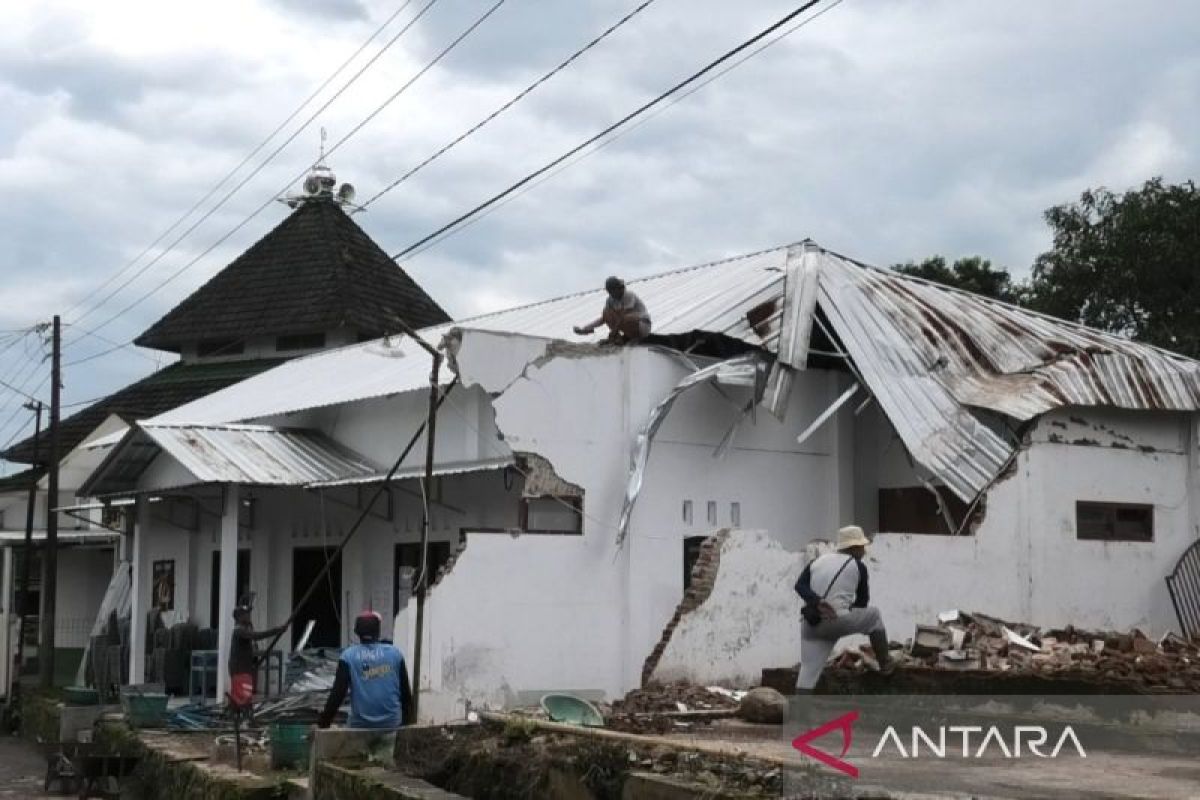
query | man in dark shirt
(243,657)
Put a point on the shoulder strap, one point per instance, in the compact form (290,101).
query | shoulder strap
(837,575)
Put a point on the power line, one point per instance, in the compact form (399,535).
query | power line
(118,345)
(12,388)
(262,165)
(626,131)
(216,187)
(437,58)
(516,99)
(614,126)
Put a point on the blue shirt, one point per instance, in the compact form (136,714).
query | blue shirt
(375,675)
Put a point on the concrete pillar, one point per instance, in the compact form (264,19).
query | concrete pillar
(139,518)
(227,585)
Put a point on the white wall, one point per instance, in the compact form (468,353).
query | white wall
(577,613)
(83,577)
(1025,563)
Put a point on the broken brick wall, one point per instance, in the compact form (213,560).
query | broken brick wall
(748,621)
(703,578)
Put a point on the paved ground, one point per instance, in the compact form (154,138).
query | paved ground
(22,769)
(1103,775)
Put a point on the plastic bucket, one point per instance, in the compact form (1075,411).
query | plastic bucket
(289,745)
(81,696)
(145,710)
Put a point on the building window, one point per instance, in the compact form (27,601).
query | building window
(914,509)
(551,514)
(408,556)
(300,341)
(1114,522)
(210,348)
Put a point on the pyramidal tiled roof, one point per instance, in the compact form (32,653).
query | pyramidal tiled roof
(316,271)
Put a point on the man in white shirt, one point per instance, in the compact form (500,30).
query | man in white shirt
(837,600)
(624,313)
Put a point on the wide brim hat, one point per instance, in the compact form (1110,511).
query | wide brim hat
(851,536)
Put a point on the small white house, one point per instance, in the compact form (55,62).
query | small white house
(1004,461)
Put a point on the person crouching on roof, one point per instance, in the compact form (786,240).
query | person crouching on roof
(624,313)
(374,674)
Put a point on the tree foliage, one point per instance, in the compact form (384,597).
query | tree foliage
(1127,263)
(973,274)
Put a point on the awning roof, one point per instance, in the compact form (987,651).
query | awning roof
(418,471)
(248,454)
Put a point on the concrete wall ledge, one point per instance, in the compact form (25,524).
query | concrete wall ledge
(331,782)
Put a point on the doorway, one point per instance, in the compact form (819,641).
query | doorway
(324,605)
(242,584)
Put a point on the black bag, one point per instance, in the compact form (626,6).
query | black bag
(812,612)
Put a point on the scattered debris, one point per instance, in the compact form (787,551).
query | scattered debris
(977,643)
(657,698)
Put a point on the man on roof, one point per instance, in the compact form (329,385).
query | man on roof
(624,313)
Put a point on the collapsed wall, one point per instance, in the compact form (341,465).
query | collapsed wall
(743,618)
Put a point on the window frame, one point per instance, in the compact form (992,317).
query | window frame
(1111,523)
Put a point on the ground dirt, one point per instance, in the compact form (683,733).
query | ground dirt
(22,769)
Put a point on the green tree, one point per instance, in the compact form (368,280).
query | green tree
(973,274)
(1127,263)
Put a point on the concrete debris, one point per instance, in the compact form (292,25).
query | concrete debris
(763,705)
(977,642)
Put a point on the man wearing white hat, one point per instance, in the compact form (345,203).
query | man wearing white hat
(836,604)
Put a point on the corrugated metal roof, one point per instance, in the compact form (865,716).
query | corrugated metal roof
(711,297)
(257,454)
(418,471)
(248,454)
(927,352)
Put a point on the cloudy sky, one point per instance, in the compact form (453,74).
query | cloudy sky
(886,130)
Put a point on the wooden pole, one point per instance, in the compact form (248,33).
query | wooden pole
(50,558)
(423,574)
(27,552)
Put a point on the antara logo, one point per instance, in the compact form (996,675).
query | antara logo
(1024,739)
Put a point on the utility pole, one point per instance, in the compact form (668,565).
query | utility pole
(423,573)
(23,602)
(50,558)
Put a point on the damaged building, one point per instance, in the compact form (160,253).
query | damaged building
(601,516)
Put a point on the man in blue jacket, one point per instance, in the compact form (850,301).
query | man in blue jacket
(374,674)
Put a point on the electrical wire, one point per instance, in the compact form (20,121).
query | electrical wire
(614,126)
(229,175)
(621,133)
(262,207)
(270,157)
(512,102)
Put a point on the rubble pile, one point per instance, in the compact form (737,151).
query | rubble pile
(660,698)
(976,642)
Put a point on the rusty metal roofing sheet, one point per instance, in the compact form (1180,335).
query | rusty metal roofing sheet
(929,353)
